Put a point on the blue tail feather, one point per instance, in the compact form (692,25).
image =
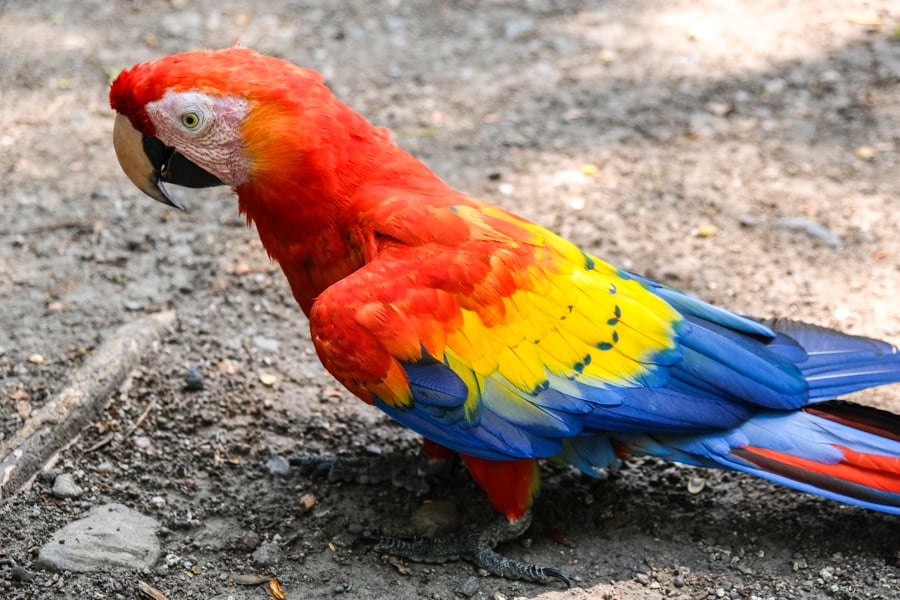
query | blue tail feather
(837,363)
(785,447)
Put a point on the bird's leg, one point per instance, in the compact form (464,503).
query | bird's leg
(475,546)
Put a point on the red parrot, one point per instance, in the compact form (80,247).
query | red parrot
(488,334)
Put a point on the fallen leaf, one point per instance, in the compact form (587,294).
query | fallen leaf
(559,537)
(307,501)
(398,564)
(252,579)
(226,367)
(151,592)
(274,589)
(869,18)
(691,136)
(865,152)
(23,408)
(720,109)
(589,169)
(706,230)
(607,56)
(615,522)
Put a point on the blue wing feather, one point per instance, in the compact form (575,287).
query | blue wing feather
(729,370)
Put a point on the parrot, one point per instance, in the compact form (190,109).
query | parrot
(492,337)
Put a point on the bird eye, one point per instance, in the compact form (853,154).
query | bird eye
(191,120)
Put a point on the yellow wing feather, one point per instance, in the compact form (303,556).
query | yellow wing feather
(572,316)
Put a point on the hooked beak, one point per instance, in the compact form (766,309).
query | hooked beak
(148,163)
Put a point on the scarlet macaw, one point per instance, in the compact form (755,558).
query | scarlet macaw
(488,334)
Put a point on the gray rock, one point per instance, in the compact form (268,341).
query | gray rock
(267,344)
(278,465)
(516,29)
(267,554)
(111,537)
(469,587)
(193,380)
(217,534)
(64,487)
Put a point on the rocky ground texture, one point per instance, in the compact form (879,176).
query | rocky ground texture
(747,152)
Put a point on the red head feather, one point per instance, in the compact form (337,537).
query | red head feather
(309,155)
(233,71)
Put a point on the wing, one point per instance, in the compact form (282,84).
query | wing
(511,340)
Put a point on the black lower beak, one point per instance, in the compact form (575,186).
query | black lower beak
(149,163)
(171,166)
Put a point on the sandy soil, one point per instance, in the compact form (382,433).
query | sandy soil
(744,151)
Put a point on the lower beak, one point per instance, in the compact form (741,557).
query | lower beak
(148,163)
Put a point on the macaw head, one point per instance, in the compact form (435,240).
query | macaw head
(205,118)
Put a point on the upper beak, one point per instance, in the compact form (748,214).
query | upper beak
(148,163)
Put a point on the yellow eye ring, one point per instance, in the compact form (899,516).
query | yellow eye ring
(190,120)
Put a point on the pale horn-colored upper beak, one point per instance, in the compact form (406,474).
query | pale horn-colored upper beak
(132,155)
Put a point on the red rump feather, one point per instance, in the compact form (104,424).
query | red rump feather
(511,485)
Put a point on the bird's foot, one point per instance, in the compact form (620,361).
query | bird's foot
(476,547)
(403,471)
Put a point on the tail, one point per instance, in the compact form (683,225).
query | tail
(790,371)
(834,363)
(842,451)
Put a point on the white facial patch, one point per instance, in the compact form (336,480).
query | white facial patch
(206,130)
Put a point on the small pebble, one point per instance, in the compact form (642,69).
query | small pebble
(518,28)
(267,554)
(193,380)
(469,587)
(278,465)
(64,487)
(267,344)
(374,449)
(249,540)
(811,228)
(50,475)
(307,501)
(695,485)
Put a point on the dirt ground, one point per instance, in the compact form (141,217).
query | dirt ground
(747,152)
